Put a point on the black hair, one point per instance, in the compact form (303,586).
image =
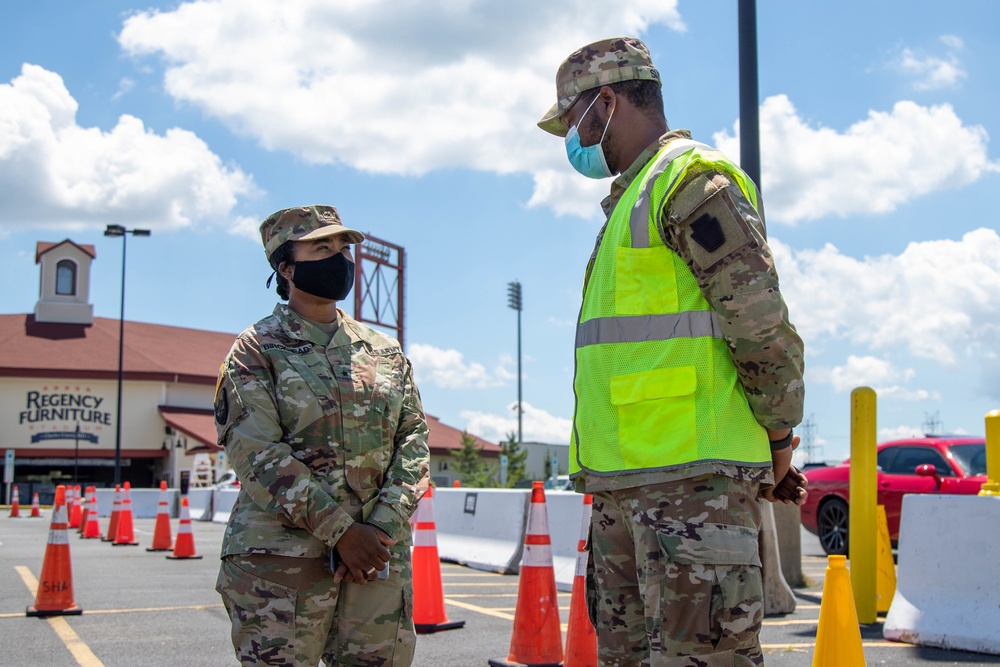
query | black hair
(644,95)
(285,253)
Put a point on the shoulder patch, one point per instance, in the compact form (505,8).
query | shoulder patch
(707,232)
(221,407)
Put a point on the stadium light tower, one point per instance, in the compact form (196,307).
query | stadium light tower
(514,302)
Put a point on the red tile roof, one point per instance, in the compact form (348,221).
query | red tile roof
(444,438)
(152,351)
(44,246)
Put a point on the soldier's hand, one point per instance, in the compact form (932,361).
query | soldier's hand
(363,550)
(791,489)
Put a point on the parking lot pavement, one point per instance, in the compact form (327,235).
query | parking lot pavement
(141,609)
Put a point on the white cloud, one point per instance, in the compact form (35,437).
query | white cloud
(448,369)
(937,300)
(899,432)
(878,374)
(442,85)
(537,424)
(55,173)
(875,166)
(930,72)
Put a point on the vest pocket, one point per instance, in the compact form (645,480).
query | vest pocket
(645,282)
(657,424)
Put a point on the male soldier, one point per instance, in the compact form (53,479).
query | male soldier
(323,425)
(688,374)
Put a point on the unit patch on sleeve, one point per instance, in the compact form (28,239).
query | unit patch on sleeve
(221,406)
(707,232)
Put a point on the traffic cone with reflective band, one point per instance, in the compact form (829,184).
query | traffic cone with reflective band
(581,638)
(93,528)
(116,510)
(838,638)
(55,587)
(126,525)
(75,508)
(184,546)
(162,541)
(537,637)
(15,505)
(36,509)
(428,593)
(885,579)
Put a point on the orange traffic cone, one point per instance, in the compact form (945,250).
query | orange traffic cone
(55,587)
(838,637)
(428,593)
(126,528)
(184,546)
(15,505)
(457,484)
(581,638)
(537,638)
(93,528)
(116,511)
(36,509)
(75,507)
(86,510)
(162,541)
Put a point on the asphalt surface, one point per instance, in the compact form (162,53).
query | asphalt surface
(141,609)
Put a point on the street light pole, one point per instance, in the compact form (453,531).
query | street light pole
(119,230)
(514,302)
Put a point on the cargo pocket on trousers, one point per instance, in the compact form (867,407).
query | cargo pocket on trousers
(262,612)
(717,564)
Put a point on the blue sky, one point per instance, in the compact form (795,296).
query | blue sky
(416,120)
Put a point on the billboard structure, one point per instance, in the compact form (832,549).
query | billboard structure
(379,286)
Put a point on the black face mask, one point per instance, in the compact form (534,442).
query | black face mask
(330,278)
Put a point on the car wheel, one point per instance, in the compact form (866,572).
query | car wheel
(832,525)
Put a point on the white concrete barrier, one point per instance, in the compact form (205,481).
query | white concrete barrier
(200,503)
(145,502)
(564,509)
(481,528)
(222,504)
(948,584)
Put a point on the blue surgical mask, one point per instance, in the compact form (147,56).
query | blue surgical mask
(588,160)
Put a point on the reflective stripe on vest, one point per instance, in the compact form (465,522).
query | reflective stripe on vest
(638,219)
(638,328)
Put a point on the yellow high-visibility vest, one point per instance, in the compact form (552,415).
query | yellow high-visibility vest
(655,384)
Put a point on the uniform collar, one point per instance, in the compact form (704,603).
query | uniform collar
(624,180)
(299,328)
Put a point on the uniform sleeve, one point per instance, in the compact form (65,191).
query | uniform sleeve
(246,417)
(721,237)
(408,475)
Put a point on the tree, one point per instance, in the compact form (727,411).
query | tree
(469,464)
(516,458)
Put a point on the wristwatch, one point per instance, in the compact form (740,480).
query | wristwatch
(784,443)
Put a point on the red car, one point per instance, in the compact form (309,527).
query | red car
(932,464)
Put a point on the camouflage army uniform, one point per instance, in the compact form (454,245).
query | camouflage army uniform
(322,432)
(674,578)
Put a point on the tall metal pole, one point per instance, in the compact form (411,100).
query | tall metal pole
(119,230)
(121,358)
(749,105)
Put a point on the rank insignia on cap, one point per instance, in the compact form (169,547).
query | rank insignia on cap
(707,232)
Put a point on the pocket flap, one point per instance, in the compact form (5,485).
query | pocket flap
(710,544)
(249,592)
(649,385)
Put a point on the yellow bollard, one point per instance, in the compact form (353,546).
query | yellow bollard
(991,487)
(838,637)
(886,579)
(863,497)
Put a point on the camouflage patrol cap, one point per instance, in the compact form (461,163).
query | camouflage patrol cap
(598,64)
(304,223)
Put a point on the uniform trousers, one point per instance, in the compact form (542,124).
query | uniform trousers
(287,611)
(674,577)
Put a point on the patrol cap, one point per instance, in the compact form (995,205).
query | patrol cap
(304,223)
(595,65)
